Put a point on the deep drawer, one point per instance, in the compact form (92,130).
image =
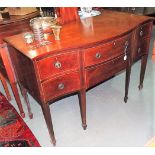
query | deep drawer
(106,51)
(99,73)
(141,48)
(59,63)
(61,85)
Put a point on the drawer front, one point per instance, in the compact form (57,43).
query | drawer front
(57,64)
(144,30)
(61,85)
(97,74)
(106,51)
(141,48)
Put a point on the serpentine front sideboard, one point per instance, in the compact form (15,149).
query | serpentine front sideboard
(14,25)
(90,51)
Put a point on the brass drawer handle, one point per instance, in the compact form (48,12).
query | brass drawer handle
(98,55)
(57,64)
(61,86)
(139,50)
(141,33)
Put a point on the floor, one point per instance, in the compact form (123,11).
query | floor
(110,121)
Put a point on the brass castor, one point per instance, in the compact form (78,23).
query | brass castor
(53,141)
(125,99)
(84,126)
(30,115)
(22,114)
(140,87)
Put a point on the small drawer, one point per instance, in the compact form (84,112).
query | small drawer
(144,30)
(57,64)
(107,51)
(61,85)
(99,73)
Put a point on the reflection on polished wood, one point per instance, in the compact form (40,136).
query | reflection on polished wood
(90,51)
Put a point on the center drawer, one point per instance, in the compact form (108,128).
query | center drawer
(57,64)
(61,85)
(104,52)
(99,73)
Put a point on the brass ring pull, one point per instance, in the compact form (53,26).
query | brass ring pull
(61,86)
(57,64)
(141,33)
(98,55)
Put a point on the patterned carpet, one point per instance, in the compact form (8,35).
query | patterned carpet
(13,130)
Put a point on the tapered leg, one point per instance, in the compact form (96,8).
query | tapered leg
(127,80)
(17,98)
(4,83)
(24,94)
(142,72)
(82,102)
(48,119)
(11,76)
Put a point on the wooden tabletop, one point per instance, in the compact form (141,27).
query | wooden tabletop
(83,33)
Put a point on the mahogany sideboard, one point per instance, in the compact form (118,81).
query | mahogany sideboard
(90,51)
(16,24)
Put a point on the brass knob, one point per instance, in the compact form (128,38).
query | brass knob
(61,86)
(139,50)
(57,64)
(98,55)
(141,33)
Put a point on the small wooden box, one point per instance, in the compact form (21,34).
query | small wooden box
(4,15)
(21,10)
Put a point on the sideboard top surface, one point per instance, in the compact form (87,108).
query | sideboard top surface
(83,33)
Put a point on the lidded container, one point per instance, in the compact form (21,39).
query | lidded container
(42,25)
